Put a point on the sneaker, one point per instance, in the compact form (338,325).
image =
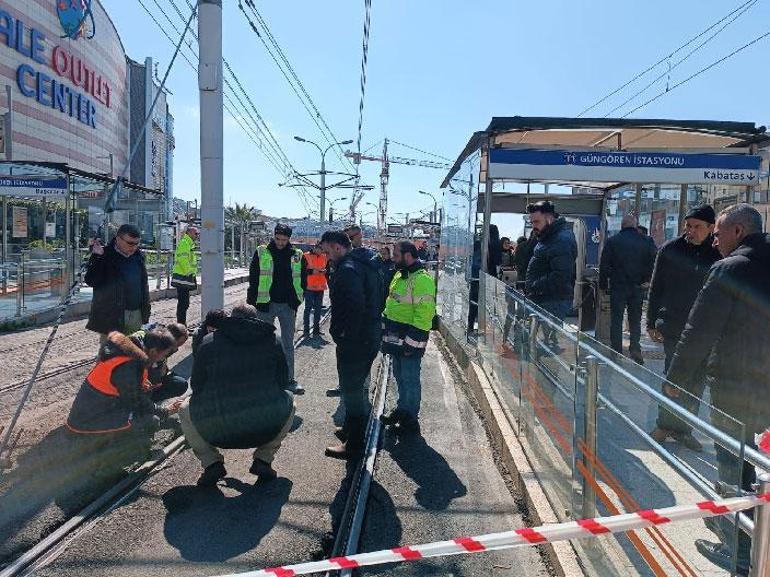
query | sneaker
(687,440)
(263,471)
(409,426)
(212,474)
(333,392)
(343,452)
(339,432)
(659,435)
(296,388)
(721,555)
(636,356)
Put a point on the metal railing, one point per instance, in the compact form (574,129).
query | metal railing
(585,411)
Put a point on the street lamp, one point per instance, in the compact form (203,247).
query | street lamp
(435,204)
(331,207)
(323,166)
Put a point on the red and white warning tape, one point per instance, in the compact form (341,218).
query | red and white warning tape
(521,537)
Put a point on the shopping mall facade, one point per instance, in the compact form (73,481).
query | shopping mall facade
(73,106)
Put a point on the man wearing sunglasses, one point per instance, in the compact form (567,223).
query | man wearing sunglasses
(118,275)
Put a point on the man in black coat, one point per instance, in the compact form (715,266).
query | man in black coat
(625,269)
(550,281)
(680,271)
(118,275)
(356,298)
(729,329)
(239,398)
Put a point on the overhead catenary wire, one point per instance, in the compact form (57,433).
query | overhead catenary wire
(681,60)
(699,72)
(420,150)
(664,59)
(364,62)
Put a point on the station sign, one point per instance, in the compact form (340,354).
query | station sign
(33,187)
(395,229)
(627,167)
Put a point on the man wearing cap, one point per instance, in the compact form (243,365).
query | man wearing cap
(185,265)
(275,289)
(680,271)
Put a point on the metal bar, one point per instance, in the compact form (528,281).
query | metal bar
(760,544)
(682,207)
(589,424)
(485,247)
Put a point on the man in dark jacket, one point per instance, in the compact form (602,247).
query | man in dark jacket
(118,275)
(550,281)
(239,398)
(356,299)
(113,416)
(680,271)
(276,290)
(625,269)
(729,329)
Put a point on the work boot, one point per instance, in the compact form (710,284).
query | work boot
(395,417)
(296,388)
(263,471)
(721,555)
(660,435)
(342,451)
(408,426)
(687,440)
(333,392)
(212,474)
(636,356)
(340,433)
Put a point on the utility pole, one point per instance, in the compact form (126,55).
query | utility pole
(323,187)
(211,146)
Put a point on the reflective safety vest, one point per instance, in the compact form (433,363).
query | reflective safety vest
(185,260)
(412,300)
(266,274)
(100,377)
(316,281)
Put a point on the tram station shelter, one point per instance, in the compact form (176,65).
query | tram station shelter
(597,170)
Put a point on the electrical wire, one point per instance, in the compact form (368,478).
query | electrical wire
(421,151)
(680,61)
(699,72)
(364,61)
(662,60)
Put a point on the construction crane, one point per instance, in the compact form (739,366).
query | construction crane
(385,176)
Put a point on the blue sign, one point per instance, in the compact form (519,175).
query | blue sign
(33,187)
(73,15)
(619,166)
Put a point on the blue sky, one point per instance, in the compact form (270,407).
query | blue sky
(440,69)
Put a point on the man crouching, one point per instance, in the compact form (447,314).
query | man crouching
(239,398)
(113,418)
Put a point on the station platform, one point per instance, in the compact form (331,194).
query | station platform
(437,485)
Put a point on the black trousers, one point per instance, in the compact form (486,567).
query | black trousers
(172,385)
(624,298)
(182,304)
(354,363)
(473,307)
(696,386)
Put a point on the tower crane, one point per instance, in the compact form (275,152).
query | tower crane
(385,176)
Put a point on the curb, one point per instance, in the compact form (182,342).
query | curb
(561,555)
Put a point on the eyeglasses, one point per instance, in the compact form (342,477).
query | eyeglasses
(129,242)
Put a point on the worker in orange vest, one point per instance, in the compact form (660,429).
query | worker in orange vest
(315,284)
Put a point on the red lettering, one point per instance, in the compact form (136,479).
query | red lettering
(60,62)
(77,74)
(107,94)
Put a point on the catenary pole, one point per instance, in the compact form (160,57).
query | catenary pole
(211,150)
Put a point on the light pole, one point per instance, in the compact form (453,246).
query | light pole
(323,167)
(435,205)
(331,207)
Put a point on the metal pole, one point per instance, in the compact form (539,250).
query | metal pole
(682,207)
(44,208)
(485,248)
(638,201)
(323,187)
(8,128)
(760,543)
(589,436)
(5,229)
(67,238)
(534,324)
(211,143)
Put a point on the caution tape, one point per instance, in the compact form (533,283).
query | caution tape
(520,537)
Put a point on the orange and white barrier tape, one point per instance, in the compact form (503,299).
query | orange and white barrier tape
(521,537)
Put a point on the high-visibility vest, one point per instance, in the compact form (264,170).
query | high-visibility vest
(266,274)
(185,260)
(317,281)
(100,377)
(412,300)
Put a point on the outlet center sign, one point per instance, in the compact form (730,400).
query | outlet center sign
(54,76)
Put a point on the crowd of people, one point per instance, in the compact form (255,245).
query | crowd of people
(708,293)
(242,386)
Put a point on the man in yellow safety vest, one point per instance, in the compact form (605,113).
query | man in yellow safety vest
(275,289)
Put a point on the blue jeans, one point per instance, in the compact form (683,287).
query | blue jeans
(313,302)
(406,371)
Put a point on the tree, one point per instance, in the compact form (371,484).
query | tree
(241,215)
